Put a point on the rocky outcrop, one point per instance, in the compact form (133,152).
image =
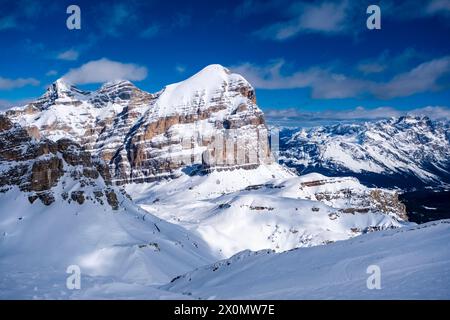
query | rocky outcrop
(351,197)
(38,166)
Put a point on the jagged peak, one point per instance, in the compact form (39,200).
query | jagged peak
(61,87)
(116,83)
(410,118)
(63,84)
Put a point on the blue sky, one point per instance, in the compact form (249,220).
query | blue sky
(302,56)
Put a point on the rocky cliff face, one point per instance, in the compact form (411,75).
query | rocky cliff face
(210,119)
(39,167)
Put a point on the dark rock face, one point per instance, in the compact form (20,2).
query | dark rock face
(37,166)
(77,196)
(45,173)
(111,197)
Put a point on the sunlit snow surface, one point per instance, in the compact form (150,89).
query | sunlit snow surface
(118,257)
(414,264)
(268,207)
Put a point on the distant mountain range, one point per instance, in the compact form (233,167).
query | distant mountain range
(406,152)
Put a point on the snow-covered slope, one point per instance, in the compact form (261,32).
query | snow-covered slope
(128,245)
(414,264)
(58,208)
(406,152)
(269,207)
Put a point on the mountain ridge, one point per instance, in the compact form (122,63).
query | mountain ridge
(405,152)
(128,127)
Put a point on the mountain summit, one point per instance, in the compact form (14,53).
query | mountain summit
(144,136)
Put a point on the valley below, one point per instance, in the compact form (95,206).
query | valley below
(427,204)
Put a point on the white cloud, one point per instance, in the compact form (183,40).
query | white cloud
(7,84)
(348,114)
(326,84)
(433,112)
(104,70)
(358,113)
(424,77)
(69,55)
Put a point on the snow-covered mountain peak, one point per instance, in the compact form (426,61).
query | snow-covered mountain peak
(213,69)
(61,85)
(121,92)
(62,88)
(207,87)
(115,85)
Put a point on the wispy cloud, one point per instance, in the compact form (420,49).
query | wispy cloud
(389,62)
(8,84)
(358,113)
(51,73)
(438,7)
(24,14)
(328,84)
(253,7)
(180,68)
(333,17)
(150,31)
(181,20)
(8,22)
(114,18)
(324,83)
(371,67)
(104,70)
(7,104)
(425,77)
(69,55)
(324,17)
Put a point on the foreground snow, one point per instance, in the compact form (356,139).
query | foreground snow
(414,263)
(267,207)
(117,251)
